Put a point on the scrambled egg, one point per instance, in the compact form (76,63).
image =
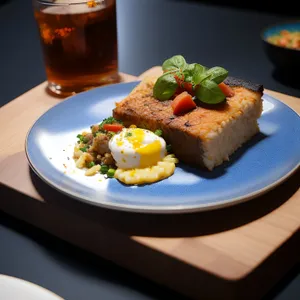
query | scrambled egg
(161,170)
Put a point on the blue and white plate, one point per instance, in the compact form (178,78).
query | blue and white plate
(260,165)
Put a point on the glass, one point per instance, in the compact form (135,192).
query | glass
(79,42)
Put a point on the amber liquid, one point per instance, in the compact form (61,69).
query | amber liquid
(79,46)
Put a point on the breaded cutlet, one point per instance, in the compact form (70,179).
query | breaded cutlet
(205,136)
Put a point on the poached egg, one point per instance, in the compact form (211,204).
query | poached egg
(137,148)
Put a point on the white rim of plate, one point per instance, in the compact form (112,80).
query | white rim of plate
(30,284)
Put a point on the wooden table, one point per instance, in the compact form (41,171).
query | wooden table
(232,253)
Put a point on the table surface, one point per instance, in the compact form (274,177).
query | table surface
(144,41)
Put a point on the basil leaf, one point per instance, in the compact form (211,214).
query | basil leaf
(203,77)
(217,74)
(199,70)
(165,87)
(174,63)
(209,92)
(192,73)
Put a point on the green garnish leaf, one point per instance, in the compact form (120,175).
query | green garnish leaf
(174,63)
(111,134)
(200,79)
(80,137)
(165,87)
(110,120)
(209,92)
(158,132)
(169,148)
(128,134)
(193,72)
(83,149)
(217,74)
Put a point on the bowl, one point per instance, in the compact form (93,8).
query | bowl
(282,57)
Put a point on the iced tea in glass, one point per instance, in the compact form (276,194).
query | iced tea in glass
(79,42)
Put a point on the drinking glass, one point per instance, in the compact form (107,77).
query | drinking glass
(79,43)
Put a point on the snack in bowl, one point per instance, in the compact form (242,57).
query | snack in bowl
(286,38)
(222,117)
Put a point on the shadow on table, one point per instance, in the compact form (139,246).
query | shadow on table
(175,225)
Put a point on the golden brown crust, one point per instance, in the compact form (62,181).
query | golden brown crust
(187,132)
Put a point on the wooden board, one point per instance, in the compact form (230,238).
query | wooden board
(232,253)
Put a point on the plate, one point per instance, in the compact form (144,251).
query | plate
(261,164)
(12,288)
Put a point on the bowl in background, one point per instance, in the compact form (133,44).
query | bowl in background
(282,57)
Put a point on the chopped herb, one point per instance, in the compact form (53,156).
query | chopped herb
(83,149)
(80,137)
(90,164)
(169,148)
(85,140)
(158,132)
(128,134)
(104,169)
(110,120)
(111,133)
(111,173)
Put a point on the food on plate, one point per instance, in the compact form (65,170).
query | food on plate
(196,114)
(163,169)
(223,116)
(132,155)
(286,38)
(137,148)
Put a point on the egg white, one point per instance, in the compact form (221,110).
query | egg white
(125,150)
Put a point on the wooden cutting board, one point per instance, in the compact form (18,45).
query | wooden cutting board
(232,253)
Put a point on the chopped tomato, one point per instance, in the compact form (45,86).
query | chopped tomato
(183,85)
(226,89)
(188,87)
(283,42)
(178,91)
(179,80)
(183,103)
(113,127)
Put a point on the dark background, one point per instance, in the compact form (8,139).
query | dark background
(287,8)
(210,32)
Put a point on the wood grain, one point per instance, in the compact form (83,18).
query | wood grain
(235,250)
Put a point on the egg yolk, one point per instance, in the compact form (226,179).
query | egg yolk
(150,153)
(135,137)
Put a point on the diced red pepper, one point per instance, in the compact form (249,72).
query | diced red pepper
(183,103)
(113,127)
(226,89)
